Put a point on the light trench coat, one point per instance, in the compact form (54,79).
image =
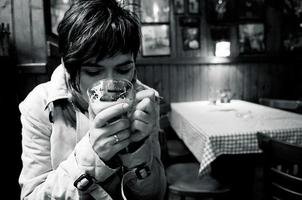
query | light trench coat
(55,154)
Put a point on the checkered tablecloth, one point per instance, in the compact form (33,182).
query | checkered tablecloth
(212,130)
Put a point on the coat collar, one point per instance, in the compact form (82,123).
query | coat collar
(58,86)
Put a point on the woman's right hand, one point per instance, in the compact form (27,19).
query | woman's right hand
(107,139)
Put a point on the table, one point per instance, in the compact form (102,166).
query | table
(211,130)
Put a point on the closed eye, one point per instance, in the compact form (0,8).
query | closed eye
(124,69)
(92,71)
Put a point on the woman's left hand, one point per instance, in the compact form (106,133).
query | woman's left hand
(144,116)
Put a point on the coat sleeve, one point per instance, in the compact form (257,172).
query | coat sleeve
(149,188)
(38,179)
(154,185)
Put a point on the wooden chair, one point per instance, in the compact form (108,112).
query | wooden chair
(282,168)
(183,181)
(182,167)
(289,105)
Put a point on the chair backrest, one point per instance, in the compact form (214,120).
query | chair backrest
(282,168)
(289,105)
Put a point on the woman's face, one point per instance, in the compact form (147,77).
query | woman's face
(120,66)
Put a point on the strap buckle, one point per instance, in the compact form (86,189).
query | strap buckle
(83,182)
(142,172)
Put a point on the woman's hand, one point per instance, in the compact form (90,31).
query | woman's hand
(144,116)
(107,139)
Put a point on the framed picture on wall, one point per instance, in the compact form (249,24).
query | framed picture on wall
(156,11)
(191,38)
(251,38)
(179,6)
(193,6)
(155,40)
(190,30)
(250,9)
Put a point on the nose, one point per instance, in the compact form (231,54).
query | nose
(109,74)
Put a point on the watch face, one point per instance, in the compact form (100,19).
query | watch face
(83,182)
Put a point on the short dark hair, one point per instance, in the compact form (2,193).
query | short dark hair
(98,28)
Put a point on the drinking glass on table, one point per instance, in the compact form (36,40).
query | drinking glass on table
(213,96)
(108,92)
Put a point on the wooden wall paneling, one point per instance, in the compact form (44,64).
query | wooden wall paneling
(157,80)
(292,81)
(188,83)
(246,81)
(174,84)
(204,82)
(224,73)
(218,77)
(140,73)
(237,80)
(227,75)
(264,81)
(294,77)
(288,86)
(272,78)
(250,82)
(226,70)
(149,76)
(253,89)
(196,88)
(180,83)
(297,84)
(22,31)
(38,31)
(213,80)
(283,81)
(166,82)
(276,79)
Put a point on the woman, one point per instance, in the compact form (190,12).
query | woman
(70,153)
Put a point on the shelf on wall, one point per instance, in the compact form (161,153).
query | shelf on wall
(32,68)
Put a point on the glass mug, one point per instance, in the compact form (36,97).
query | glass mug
(108,92)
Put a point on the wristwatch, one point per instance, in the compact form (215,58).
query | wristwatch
(84,182)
